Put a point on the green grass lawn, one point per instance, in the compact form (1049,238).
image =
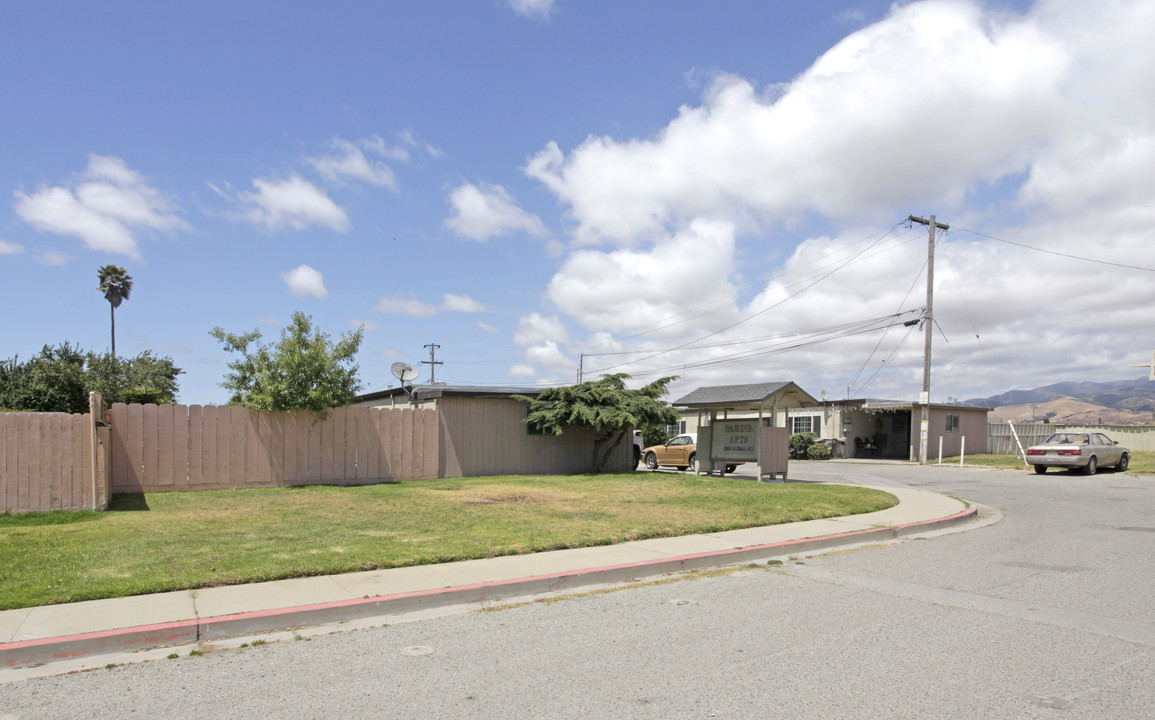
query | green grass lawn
(171,541)
(1141,462)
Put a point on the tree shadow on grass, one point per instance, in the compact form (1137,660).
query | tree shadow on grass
(128,502)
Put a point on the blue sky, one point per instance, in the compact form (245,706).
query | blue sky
(714,191)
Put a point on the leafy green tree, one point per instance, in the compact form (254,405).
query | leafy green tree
(116,284)
(53,381)
(145,379)
(60,378)
(604,406)
(303,371)
(655,433)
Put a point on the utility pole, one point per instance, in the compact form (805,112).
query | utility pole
(924,398)
(432,362)
(1150,365)
(581,367)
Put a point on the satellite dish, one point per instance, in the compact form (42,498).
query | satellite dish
(404,372)
(825,395)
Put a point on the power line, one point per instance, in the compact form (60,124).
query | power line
(769,308)
(883,337)
(751,291)
(806,339)
(970,317)
(884,363)
(1053,252)
(747,341)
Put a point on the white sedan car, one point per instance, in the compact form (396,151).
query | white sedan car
(1085,450)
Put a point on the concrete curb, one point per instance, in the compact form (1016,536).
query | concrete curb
(30,653)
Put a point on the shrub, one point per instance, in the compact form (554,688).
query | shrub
(818,451)
(799,445)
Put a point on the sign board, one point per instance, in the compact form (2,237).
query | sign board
(736,440)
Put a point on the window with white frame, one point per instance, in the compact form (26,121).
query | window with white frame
(806,423)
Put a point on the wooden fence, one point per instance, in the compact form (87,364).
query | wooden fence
(56,461)
(177,448)
(1138,438)
(53,461)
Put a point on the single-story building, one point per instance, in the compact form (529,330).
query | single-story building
(861,428)
(771,402)
(889,428)
(481,431)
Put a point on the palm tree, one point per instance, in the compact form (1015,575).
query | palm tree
(116,284)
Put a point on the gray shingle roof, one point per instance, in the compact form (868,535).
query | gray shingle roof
(732,394)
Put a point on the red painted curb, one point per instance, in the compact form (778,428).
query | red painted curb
(28,653)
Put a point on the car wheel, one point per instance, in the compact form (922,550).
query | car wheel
(1092,466)
(693,462)
(651,461)
(1123,463)
(731,468)
(637,455)
(1040,469)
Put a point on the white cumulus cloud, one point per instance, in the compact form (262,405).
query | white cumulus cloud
(521,371)
(304,281)
(367,324)
(875,121)
(349,162)
(408,304)
(291,203)
(537,329)
(8,248)
(480,212)
(106,207)
(532,8)
(460,303)
(1035,127)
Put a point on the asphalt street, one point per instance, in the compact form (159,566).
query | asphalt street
(1042,609)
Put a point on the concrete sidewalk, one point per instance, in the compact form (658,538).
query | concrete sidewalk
(34,636)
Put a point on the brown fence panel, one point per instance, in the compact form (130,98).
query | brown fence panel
(283,424)
(78,459)
(51,434)
(352,437)
(45,462)
(7,464)
(196,475)
(179,448)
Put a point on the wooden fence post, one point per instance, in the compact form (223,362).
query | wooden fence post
(99,451)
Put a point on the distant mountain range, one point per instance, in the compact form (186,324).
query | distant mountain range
(1123,402)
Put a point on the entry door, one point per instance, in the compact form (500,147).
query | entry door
(901,430)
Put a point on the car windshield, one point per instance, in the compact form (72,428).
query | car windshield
(1067,439)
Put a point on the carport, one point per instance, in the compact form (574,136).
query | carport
(740,423)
